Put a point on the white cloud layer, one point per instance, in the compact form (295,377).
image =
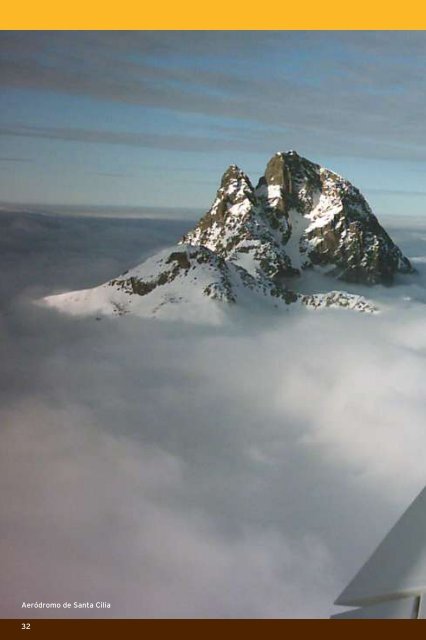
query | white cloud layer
(246,470)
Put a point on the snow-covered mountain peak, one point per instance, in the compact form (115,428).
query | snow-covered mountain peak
(253,242)
(300,215)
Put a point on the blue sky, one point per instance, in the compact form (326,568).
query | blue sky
(152,119)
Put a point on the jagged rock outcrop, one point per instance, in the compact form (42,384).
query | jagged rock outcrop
(338,299)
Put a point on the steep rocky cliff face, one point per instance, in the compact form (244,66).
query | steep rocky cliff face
(299,216)
(239,228)
(341,232)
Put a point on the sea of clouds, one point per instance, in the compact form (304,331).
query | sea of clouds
(173,470)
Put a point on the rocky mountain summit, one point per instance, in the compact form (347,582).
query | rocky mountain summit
(299,216)
(255,243)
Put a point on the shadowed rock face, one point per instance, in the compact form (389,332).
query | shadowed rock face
(299,216)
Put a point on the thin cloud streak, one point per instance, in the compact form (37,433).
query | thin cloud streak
(375,108)
(257,142)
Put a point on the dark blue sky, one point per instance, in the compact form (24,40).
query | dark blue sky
(154,118)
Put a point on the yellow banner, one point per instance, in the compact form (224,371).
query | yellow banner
(219,14)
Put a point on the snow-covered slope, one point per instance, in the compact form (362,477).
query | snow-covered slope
(255,244)
(184,282)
